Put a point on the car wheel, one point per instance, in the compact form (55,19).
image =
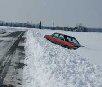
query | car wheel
(75,48)
(66,47)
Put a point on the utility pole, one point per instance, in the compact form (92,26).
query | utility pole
(53,24)
(40,25)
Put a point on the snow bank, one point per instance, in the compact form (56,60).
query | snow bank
(50,65)
(91,40)
(33,51)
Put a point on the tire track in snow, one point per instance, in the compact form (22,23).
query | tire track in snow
(50,65)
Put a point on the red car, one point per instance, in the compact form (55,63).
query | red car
(63,40)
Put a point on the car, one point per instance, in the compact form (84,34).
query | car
(63,40)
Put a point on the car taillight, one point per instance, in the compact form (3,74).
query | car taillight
(45,36)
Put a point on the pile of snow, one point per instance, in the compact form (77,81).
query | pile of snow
(91,40)
(50,65)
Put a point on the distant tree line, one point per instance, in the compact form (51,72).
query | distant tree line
(16,24)
(77,28)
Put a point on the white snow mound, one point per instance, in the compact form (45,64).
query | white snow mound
(50,65)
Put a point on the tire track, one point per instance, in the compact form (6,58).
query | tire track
(6,59)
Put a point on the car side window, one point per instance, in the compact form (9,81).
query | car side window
(69,39)
(74,40)
(61,37)
(55,35)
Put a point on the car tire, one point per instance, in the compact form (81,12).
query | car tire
(66,47)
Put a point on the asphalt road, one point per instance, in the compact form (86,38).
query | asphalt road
(11,59)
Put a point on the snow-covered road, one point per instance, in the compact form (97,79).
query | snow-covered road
(50,65)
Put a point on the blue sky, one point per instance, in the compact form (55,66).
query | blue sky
(62,12)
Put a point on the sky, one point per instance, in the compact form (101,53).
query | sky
(61,12)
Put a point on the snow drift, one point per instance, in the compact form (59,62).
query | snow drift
(50,65)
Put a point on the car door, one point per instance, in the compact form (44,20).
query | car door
(61,40)
(69,41)
(54,38)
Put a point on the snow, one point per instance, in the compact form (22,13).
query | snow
(93,48)
(50,65)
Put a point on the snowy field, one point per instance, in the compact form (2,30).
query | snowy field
(50,65)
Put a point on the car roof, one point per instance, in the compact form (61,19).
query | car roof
(64,35)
